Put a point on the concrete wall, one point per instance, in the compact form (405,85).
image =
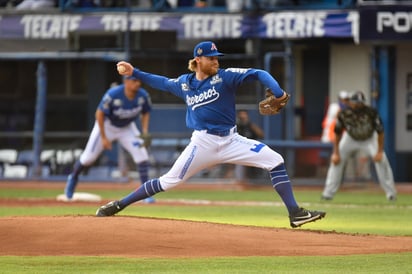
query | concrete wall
(349,69)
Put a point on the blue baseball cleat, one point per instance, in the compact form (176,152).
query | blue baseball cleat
(70,186)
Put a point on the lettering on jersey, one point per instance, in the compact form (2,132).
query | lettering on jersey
(294,25)
(212,26)
(184,87)
(127,113)
(216,79)
(203,98)
(237,70)
(49,26)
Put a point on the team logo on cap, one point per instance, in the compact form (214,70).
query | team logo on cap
(199,51)
(213,47)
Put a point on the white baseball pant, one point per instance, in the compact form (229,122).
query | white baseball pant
(127,137)
(206,150)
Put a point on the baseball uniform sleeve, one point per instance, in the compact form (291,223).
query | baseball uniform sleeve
(339,126)
(105,104)
(241,75)
(158,82)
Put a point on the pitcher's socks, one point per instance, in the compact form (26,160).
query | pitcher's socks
(147,189)
(281,183)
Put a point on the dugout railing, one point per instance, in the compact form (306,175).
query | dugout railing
(57,162)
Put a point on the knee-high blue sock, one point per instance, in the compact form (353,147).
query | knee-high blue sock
(77,168)
(143,169)
(72,179)
(147,189)
(281,183)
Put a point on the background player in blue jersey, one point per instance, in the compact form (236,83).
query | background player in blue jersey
(209,93)
(115,120)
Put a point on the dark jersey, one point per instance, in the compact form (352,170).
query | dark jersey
(359,123)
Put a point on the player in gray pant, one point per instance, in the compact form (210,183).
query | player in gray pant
(359,128)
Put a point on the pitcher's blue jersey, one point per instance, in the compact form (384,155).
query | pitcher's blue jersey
(120,110)
(210,102)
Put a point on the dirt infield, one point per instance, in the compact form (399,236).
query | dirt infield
(145,237)
(164,238)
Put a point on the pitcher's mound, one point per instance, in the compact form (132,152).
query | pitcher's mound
(124,236)
(80,197)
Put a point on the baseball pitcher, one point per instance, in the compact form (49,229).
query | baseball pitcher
(209,93)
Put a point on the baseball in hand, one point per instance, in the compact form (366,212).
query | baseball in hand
(121,68)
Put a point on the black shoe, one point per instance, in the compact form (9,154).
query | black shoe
(303,216)
(392,198)
(325,198)
(109,209)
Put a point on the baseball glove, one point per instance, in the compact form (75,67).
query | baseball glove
(147,139)
(272,105)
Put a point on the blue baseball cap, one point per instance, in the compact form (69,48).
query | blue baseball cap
(206,48)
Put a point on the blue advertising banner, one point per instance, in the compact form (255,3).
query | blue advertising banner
(386,23)
(278,25)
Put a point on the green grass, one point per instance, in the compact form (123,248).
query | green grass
(356,212)
(399,263)
(350,212)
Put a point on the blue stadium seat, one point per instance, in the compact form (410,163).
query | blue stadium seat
(25,157)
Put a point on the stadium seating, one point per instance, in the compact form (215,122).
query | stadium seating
(19,164)
(8,156)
